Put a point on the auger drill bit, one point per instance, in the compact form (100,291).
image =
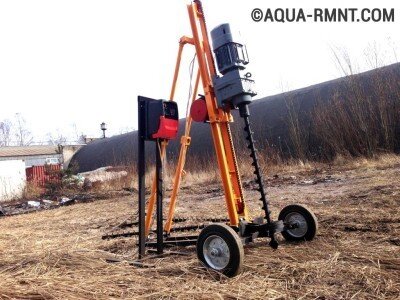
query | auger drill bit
(244,113)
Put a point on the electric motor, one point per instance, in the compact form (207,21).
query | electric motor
(229,54)
(234,88)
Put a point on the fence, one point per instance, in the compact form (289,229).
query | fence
(42,175)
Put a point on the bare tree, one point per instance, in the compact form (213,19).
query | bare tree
(55,140)
(374,56)
(126,129)
(394,49)
(343,61)
(22,134)
(5,133)
(76,133)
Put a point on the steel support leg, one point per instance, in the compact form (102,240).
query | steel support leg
(159,179)
(141,173)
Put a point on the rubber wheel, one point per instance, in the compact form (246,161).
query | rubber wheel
(220,248)
(306,220)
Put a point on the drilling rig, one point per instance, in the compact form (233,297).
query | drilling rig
(227,86)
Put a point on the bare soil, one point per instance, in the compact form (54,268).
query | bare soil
(59,254)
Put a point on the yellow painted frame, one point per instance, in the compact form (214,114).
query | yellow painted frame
(219,123)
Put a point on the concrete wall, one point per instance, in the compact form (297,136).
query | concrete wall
(12,179)
(68,152)
(34,160)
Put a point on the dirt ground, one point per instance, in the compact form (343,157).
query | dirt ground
(59,254)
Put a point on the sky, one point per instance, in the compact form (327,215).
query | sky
(67,66)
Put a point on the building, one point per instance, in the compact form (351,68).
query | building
(68,152)
(84,139)
(39,155)
(271,119)
(32,155)
(12,179)
(19,165)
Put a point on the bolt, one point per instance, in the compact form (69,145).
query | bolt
(215,252)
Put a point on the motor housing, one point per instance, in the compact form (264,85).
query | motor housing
(234,88)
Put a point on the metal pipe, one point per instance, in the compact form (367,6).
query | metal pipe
(141,180)
(159,179)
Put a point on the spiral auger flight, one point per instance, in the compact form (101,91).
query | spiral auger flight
(245,114)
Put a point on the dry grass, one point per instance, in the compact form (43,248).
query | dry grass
(32,191)
(59,254)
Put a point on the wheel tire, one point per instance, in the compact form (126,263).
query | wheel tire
(223,238)
(308,223)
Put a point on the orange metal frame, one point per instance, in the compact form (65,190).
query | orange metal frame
(219,122)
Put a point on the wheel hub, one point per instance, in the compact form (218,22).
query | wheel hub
(298,223)
(216,252)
